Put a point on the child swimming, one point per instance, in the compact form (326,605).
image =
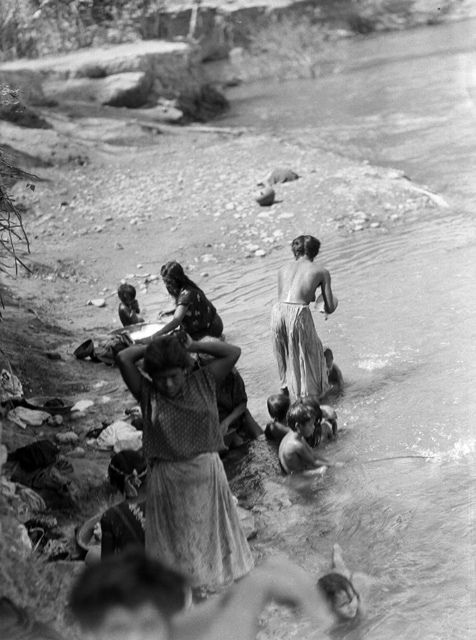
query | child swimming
(129,307)
(278,405)
(295,454)
(338,590)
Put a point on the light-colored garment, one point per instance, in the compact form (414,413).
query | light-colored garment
(298,350)
(192,522)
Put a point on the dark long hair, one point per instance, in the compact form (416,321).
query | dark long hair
(166,352)
(175,279)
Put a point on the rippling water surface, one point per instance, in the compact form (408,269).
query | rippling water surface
(404,335)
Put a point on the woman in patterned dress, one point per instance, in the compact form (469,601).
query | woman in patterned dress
(193,311)
(192,522)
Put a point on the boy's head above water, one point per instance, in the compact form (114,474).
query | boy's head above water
(329,356)
(339,592)
(302,417)
(278,405)
(126,293)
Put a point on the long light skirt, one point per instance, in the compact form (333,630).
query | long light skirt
(298,350)
(192,524)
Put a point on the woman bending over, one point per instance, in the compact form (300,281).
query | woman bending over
(193,311)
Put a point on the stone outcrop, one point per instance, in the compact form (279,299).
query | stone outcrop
(129,89)
(141,68)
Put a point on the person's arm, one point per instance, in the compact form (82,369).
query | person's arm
(107,538)
(326,290)
(338,561)
(179,314)
(308,456)
(231,417)
(225,356)
(127,362)
(280,283)
(235,616)
(335,376)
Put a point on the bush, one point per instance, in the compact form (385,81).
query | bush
(13,237)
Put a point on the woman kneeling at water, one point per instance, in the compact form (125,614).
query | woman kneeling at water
(193,311)
(192,523)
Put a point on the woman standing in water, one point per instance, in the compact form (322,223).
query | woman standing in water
(297,347)
(192,521)
(193,311)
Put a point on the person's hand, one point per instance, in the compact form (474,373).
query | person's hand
(183,338)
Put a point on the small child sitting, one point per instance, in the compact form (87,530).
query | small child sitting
(278,405)
(129,307)
(334,374)
(295,454)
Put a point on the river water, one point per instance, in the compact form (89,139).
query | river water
(404,336)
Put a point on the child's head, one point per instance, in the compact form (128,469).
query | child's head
(278,405)
(301,418)
(329,356)
(127,472)
(340,594)
(127,596)
(126,293)
(305,246)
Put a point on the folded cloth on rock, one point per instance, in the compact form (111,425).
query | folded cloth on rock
(24,417)
(120,435)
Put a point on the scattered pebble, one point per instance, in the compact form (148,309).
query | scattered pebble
(77,452)
(82,405)
(97,302)
(69,437)
(55,421)
(260,253)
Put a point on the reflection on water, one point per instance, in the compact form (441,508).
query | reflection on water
(404,335)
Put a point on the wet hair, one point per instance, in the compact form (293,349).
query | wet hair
(126,290)
(130,580)
(166,352)
(16,623)
(126,465)
(333,583)
(299,413)
(175,279)
(305,246)
(278,405)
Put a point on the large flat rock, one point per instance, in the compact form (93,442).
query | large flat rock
(104,61)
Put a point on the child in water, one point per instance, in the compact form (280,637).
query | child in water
(278,405)
(334,374)
(338,589)
(295,454)
(129,307)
